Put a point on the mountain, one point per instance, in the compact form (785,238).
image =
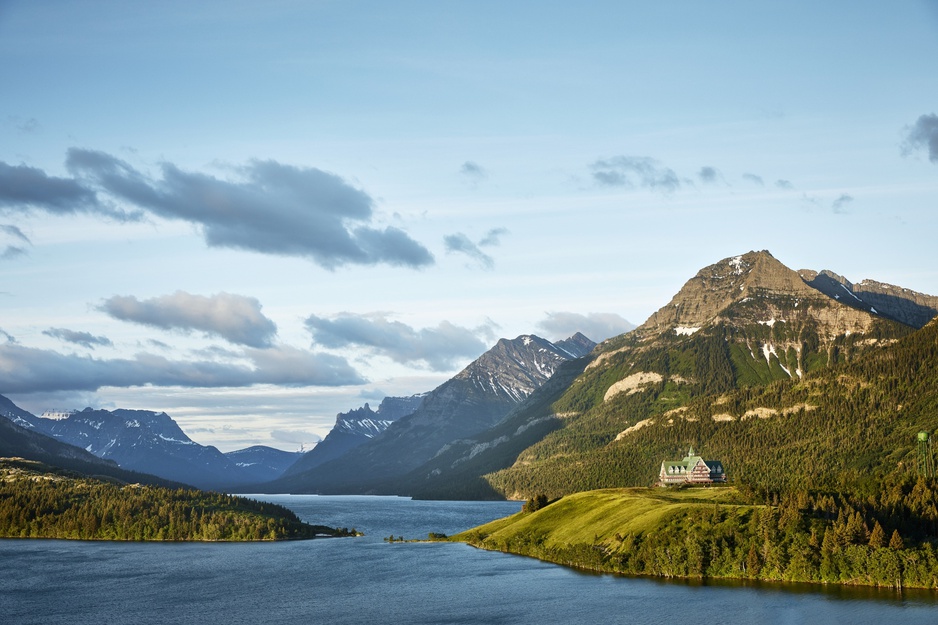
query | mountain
(355,428)
(17,441)
(903,305)
(145,441)
(743,326)
(260,463)
(474,400)
(152,442)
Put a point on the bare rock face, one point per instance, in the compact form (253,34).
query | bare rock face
(886,300)
(355,428)
(725,291)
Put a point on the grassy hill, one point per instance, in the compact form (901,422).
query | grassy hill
(721,533)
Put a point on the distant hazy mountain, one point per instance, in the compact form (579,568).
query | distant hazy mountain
(355,427)
(152,442)
(261,463)
(474,400)
(17,441)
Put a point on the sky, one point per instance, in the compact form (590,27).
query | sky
(254,216)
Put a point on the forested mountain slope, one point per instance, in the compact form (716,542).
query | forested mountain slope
(844,428)
(743,328)
(476,399)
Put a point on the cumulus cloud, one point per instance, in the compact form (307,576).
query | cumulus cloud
(85,339)
(473,171)
(274,209)
(923,134)
(235,318)
(708,174)
(840,204)
(459,243)
(31,370)
(442,348)
(635,171)
(596,326)
(754,179)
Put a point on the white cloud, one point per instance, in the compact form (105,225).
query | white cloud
(595,326)
(442,348)
(236,318)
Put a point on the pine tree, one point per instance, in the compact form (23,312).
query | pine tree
(895,541)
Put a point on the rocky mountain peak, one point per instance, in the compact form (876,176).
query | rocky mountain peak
(516,367)
(716,287)
(577,345)
(878,298)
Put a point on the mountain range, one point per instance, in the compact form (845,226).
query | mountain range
(355,428)
(476,399)
(152,442)
(758,364)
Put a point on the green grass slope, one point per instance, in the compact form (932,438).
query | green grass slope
(721,533)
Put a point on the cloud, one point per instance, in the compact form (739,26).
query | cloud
(23,126)
(473,171)
(23,188)
(596,326)
(9,337)
(632,171)
(31,370)
(753,178)
(708,174)
(85,339)
(460,244)
(296,437)
(784,184)
(442,348)
(16,233)
(810,199)
(11,251)
(274,209)
(923,134)
(235,318)
(840,204)
(493,237)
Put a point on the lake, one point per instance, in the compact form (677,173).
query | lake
(366,580)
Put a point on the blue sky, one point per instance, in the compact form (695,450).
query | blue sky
(254,216)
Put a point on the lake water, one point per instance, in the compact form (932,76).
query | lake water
(366,580)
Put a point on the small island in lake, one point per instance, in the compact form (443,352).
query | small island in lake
(40,501)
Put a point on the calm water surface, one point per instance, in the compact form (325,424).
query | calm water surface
(365,580)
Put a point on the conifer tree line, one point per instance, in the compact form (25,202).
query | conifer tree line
(889,541)
(40,504)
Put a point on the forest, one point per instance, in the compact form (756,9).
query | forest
(844,428)
(38,501)
(887,541)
